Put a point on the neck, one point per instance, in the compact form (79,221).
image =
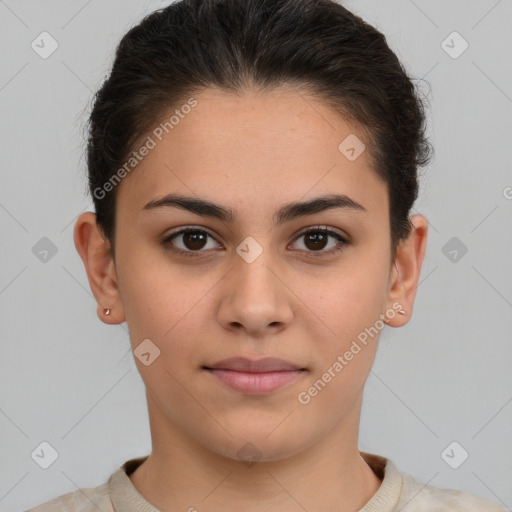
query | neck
(181,474)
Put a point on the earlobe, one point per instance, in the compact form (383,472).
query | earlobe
(407,269)
(94,251)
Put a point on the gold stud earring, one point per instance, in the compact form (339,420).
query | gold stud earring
(107,311)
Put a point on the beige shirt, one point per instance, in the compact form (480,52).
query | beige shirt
(398,492)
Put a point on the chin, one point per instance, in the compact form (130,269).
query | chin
(253,447)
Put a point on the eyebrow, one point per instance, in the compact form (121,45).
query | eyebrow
(286,213)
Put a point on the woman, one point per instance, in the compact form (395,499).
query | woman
(253,164)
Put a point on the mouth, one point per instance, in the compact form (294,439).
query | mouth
(255,377)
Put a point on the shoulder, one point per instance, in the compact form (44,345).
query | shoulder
(116,490)
(419,497)
(89,499)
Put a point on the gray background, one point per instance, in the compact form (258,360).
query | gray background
(70,380)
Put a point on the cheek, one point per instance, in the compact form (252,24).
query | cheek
(163,304)
(152,289)
(345,343)
(349,306)
(347,300)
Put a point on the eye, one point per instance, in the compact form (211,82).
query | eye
(316,239)
(194,240)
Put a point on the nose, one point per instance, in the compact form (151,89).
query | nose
(255,297)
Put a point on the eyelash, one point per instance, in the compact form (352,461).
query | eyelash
(317,229)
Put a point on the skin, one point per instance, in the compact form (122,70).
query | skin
(253,153)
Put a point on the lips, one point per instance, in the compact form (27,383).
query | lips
(265,365)
(255,377)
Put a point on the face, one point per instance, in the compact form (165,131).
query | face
(256,285)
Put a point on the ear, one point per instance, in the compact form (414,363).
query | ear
(94,250)
(405,271)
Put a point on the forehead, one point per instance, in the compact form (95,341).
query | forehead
(255,149)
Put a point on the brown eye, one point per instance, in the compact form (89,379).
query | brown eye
(317,239)
(189,241)
(194,240)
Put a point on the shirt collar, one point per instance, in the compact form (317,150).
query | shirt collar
(126,498)
(388,494)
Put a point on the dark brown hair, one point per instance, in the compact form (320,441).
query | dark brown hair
(316,45)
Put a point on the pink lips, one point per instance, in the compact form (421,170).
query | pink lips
(255,376)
